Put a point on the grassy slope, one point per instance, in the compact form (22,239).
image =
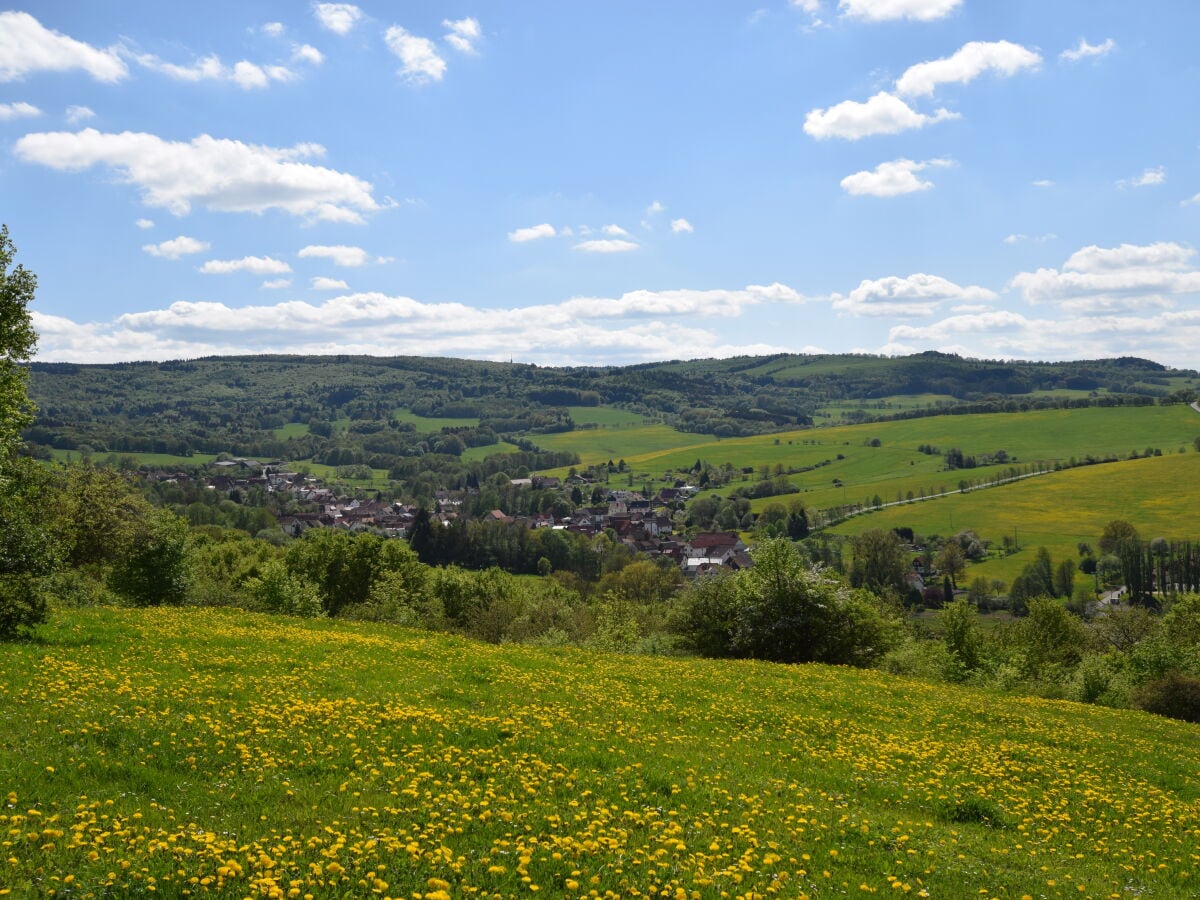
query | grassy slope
(1060,509)
(236,754)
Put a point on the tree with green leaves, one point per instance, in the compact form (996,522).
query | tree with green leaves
(17,343)
(26,550)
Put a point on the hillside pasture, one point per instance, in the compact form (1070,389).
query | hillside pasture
(220,753)
(1059,510)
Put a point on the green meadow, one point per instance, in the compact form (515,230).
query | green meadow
(214,752)
(1058,510)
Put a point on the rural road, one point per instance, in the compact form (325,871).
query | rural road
(1196,406)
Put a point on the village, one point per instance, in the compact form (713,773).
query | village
(646,525)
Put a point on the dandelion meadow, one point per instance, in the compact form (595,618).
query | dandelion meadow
(219,753)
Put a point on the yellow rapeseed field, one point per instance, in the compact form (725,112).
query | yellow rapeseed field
(219,753)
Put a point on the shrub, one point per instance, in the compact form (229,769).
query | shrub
(1175,695)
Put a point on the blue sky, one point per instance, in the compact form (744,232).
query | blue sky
(569,182)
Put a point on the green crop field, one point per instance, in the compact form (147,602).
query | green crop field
(598,445)
(472,454)
(145,459)
(604,416)
(896,466)
(1060,509)
(291,430)
(378,481)
(212,752)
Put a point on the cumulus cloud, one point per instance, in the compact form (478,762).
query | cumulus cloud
(144,223)
(258,265)
(18,110)
(1149,177)
(883,114)
(340,18)
(1085,50)
(219,174)
(532,233)
(26,47)
(1042,183)
(966,64)
(681,226)
(891,179)
(173,249)
(635,326)
(420,62)
(655,208)
(275,284)
(274,29)
(77,114)
(340,255)
(245,74)
(1105,279)
(1166,336)
(917,295)
(614,230)
(464,34)
(307,53)
(607,246)
(321,283)
(883,10)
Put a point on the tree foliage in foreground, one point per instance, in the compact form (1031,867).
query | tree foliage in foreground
(786,610)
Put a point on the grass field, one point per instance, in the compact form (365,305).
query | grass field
(291,430)
(604,416)
(378,481)
(471,454)
(145,459)
(221,753)
(1060,509)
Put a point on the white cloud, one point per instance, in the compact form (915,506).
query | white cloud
(275,284)
(418,56)
(1129,277)
(1085,50)
(615,231)
(967,63)
(173,249)
(258,265)
(1148,177)
(245,74)
(1163,255)
(891,179)
(144,223)
(883,10)
(606,246)
(1043,183)
(77,114)
(681,226)
(1037,239)
(883,114)
(463,35)
(812,7)
(340,18)
(308,53)
(917,295)
(532,233)
(340,255)
(1167,336)
(222,175)
(655,208)
(274,29)
(26,46)
(18,110)
(321,283)
(635,326)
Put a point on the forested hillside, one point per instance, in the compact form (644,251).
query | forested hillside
(242,404)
